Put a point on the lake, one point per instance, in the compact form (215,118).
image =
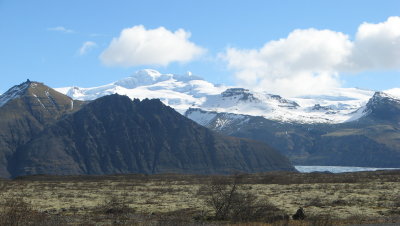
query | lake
(337,169)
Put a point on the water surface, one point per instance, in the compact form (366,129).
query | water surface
(337,169)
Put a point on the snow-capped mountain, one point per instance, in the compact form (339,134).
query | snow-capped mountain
(188,91)
(336,106)
(177,91)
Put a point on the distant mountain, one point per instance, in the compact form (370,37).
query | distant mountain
(116,135)
(188,91)
(25,110)
(372,140)
(336,106)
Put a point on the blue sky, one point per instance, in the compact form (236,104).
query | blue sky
(42,40)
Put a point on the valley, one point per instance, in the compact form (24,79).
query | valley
(200,113)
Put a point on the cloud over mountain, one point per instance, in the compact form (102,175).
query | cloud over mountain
(310,60)
(377,46)
(140,46)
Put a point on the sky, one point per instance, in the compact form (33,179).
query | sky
(287,47)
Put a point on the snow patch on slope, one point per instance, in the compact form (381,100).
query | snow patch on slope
(202,117)
(214,119)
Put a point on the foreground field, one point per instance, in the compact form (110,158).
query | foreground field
(327,199)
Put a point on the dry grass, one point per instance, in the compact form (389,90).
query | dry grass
(328,199)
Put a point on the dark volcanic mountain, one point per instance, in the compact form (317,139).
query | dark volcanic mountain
(25,110)
(372,141)
(116,135)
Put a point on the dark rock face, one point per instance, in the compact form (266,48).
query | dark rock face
(318,107)
(116,135)
(25,110)
(240,93)
(246,95)
(286,103)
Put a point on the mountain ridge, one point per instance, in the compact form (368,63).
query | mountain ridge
(114,134)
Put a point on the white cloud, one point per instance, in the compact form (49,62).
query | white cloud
(377,46)
(61,29)
(310,61)
(304,61)
(86,46)
(139,46)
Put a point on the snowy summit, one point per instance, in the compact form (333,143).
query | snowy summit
(177,91)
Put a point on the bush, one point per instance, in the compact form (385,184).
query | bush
(230,201)
(115,206)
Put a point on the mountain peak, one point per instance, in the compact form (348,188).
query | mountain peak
(154,74)
(15,92)
(379,96)
(142,78)
(38,97)
(383,106)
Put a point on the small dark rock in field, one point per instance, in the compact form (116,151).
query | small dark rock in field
(299,215)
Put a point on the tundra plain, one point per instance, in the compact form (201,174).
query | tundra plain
(171,199)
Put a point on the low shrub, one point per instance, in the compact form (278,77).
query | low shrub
(232,201)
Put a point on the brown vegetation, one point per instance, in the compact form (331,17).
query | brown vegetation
(254,199)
